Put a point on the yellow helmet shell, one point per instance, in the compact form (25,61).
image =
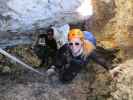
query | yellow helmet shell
(75,33)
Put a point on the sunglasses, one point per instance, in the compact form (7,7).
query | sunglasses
(76,43)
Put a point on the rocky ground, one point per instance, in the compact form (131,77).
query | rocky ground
(30,86)
(124,82)
(93,83)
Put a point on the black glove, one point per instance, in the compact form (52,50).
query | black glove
(71,70)
(63,56)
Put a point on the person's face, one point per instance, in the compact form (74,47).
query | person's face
(75,45)
(50,35)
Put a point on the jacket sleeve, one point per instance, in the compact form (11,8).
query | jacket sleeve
(71,70)
(61,58)
(98,58)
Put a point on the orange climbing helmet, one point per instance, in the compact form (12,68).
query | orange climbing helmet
(75,33)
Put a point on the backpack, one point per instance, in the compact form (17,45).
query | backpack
(89,36)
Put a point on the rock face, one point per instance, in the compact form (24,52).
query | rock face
(113,23)
(124,83)
(16,15)
(18,18)
(111,20)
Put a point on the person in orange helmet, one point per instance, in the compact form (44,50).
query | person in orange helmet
(75,55)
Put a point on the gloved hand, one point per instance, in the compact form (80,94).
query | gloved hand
(51,71)
(63,57)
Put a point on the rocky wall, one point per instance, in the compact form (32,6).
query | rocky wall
(112,24)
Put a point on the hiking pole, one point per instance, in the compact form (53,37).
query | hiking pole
(19,61)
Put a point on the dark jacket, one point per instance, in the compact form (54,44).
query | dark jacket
(50,43)
(45,51)
(69,66)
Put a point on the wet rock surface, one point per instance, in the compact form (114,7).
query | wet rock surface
(20,16)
